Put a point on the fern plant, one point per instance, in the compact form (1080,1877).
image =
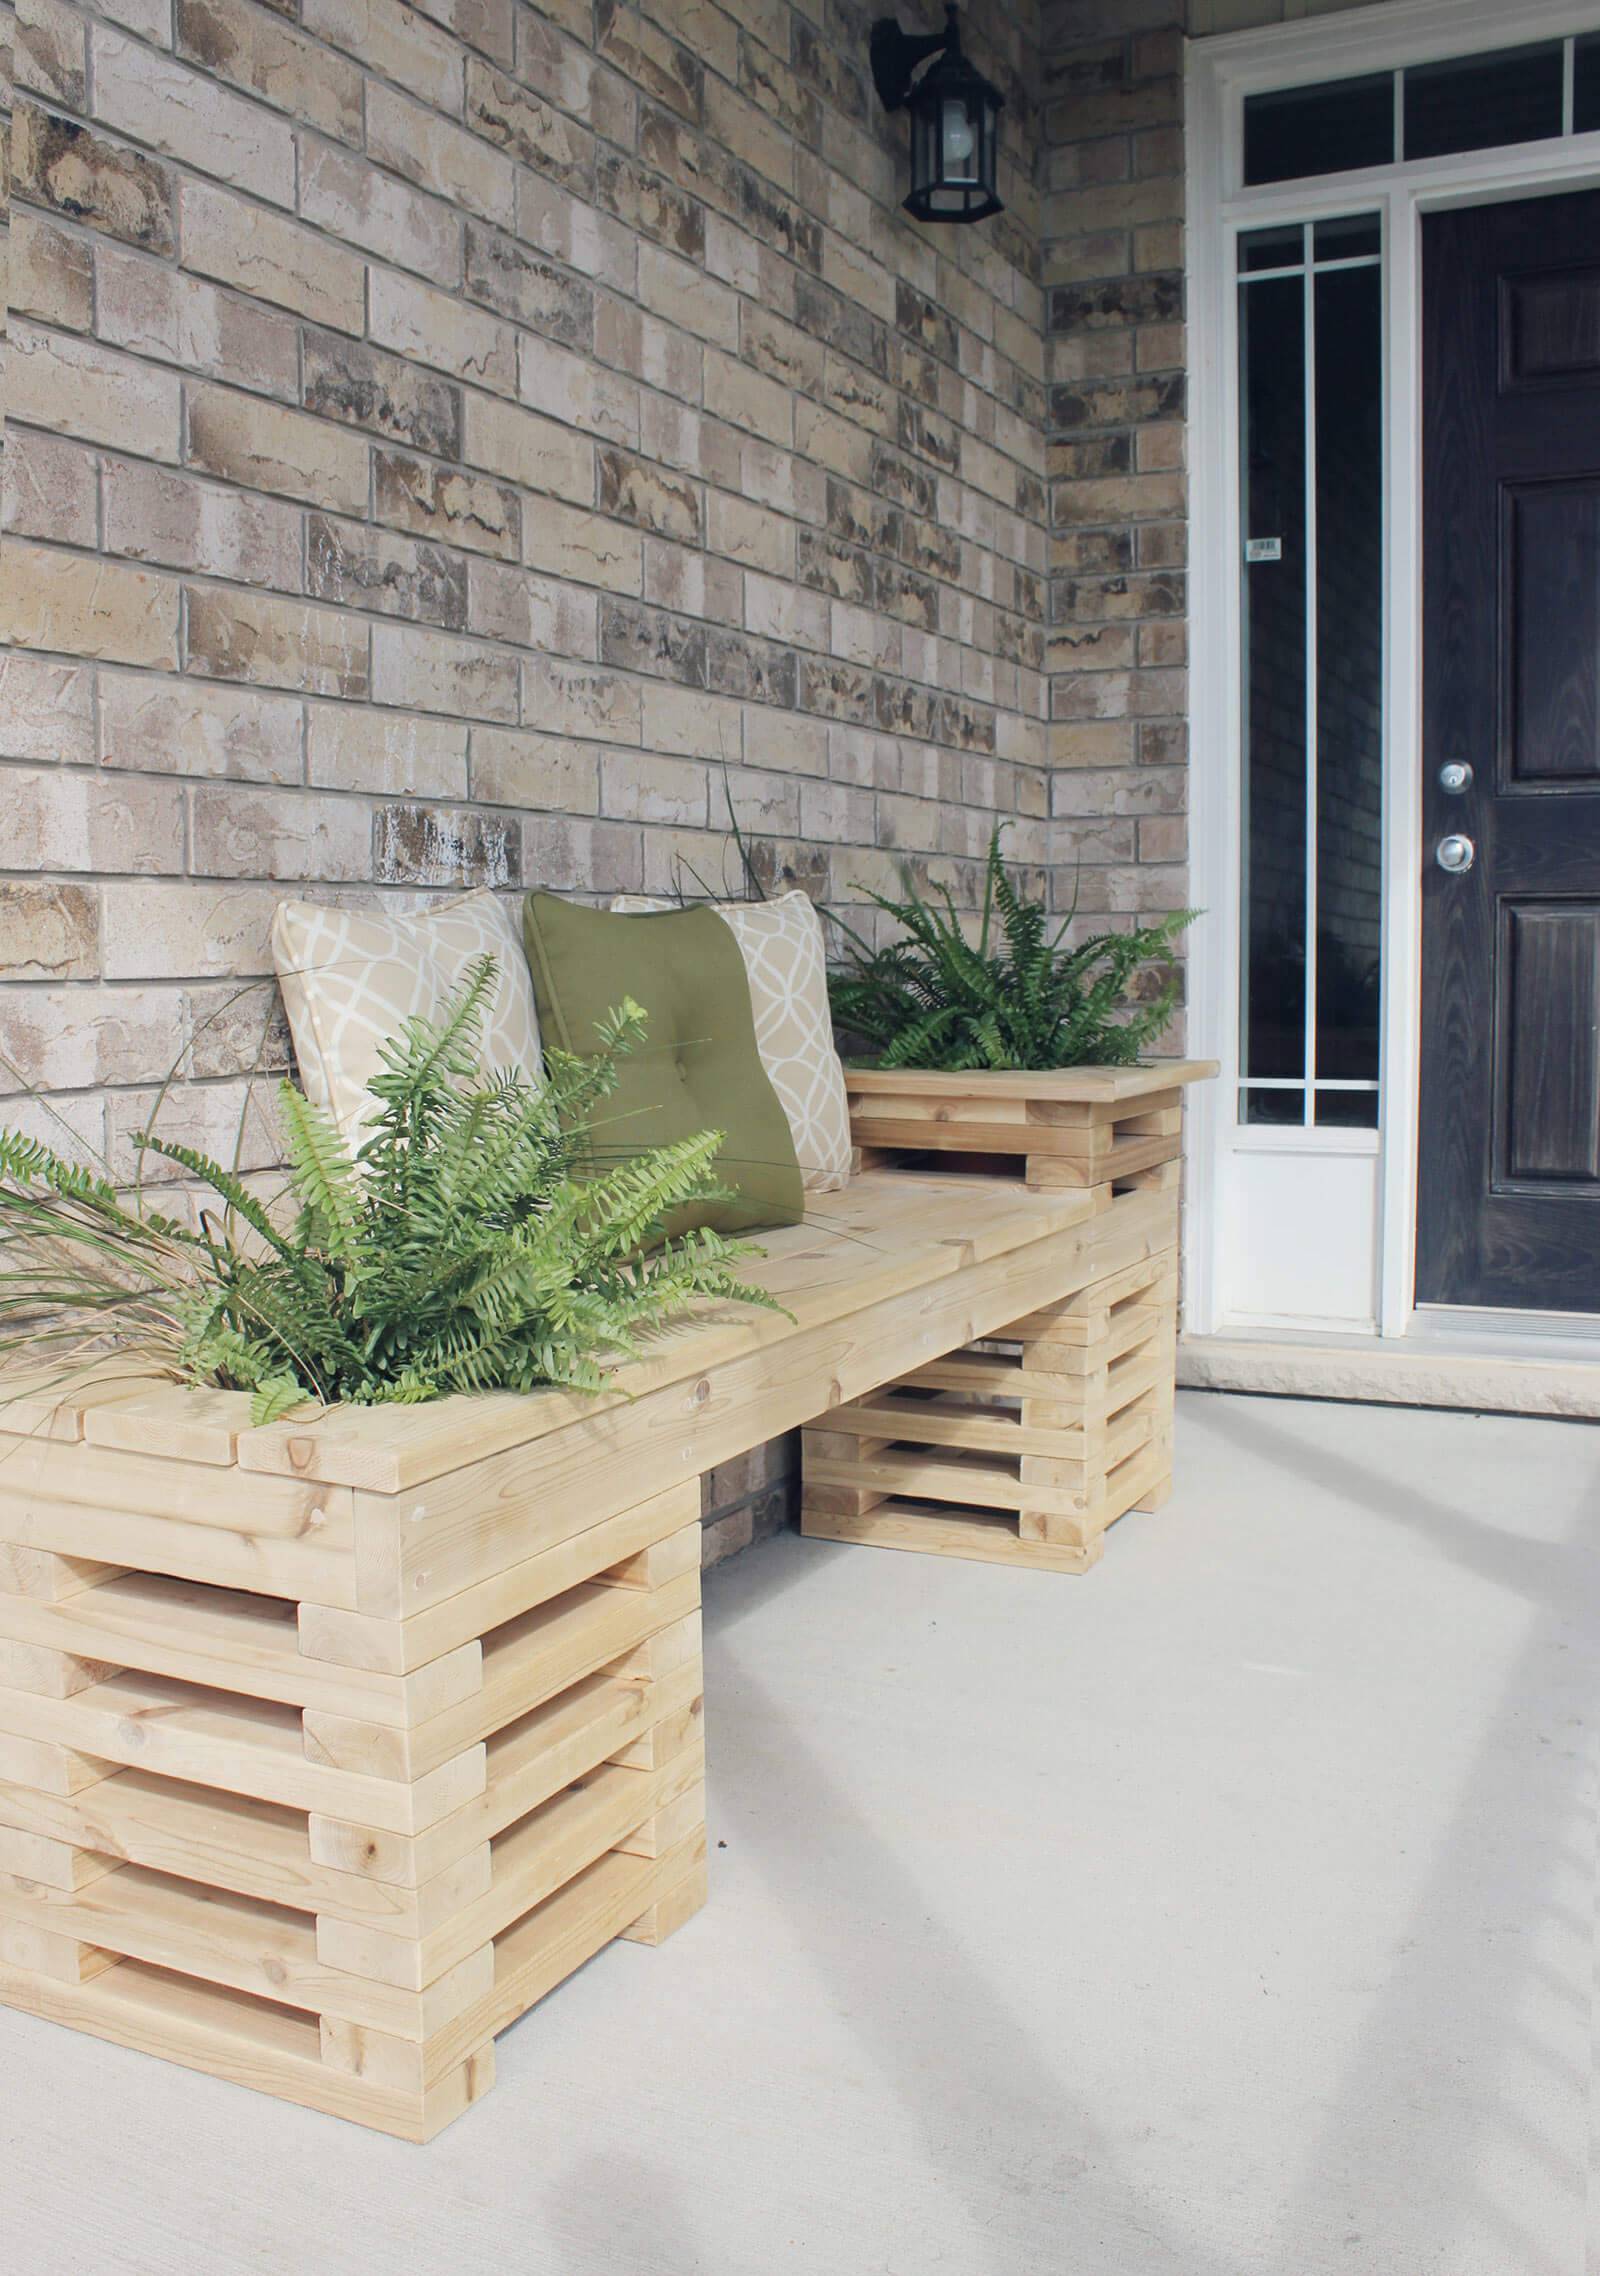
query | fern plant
(1015,998)
(459,1250)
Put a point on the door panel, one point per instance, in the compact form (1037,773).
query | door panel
(1508,1202)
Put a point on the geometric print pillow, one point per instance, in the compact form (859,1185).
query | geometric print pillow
(787,969)
(351,977)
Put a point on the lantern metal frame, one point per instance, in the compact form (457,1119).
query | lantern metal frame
(895,57)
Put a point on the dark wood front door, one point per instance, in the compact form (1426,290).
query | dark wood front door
(1509,1160)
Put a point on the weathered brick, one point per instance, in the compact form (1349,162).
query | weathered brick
(513,604)
(441,845)
(639,493)
(547,773)
(352,199)
(385,753)
(50,53)
(248,440)
(435,328)
(253,48)
(434,671)
(177,929)
(184,113)
(344,379)
(443,502)
(440,156)
(642,639)
(63,818)
(565,699)
(531,451)
(188,727)
(356,566)
(272,259)
(154,515)
(507,277)
(51,488)
(52,272)
(395,39)
(75,605)
(46,709)
(239,830)
(79,388)
(61,163)
(182,320)
(567,386)
(589,548)
(637,787)
(75,1038)
(519,121)
(48,931)
(276,643)
(643,53)
(686,296)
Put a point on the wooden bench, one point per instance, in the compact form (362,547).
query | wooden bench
(327,1749)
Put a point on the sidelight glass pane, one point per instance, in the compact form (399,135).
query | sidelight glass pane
(1325,129)
(1349,737)
(1311,407)
(1272,342)
(1480,101)
(1586,84)
(1287,1106)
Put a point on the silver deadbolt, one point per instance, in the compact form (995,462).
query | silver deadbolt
(1455,854)
(1455,776)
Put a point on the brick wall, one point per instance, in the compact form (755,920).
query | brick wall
(441,440)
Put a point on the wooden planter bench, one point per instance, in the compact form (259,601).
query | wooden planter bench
(327,1749)
(1023,1448)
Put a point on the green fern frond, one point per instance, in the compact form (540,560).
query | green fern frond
(1014,998)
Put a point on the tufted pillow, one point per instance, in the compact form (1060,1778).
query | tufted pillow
(351,977)
(698,1068)
(781,942)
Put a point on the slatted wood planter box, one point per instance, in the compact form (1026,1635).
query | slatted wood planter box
(327,1749)
(1025,1448)
(254,1825)
(1109,1128)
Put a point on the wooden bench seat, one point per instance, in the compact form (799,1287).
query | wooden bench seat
(326,1749)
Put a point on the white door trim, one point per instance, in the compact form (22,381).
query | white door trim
(1220,72)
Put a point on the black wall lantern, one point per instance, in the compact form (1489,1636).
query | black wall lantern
(955,120)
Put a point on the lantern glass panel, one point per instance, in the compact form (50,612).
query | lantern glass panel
(959,141)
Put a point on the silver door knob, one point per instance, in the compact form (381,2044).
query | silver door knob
(1455,776)
(1455,854)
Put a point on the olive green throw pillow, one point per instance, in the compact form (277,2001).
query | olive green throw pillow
(699,1067)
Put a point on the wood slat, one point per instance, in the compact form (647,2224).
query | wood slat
(530,1861)
(229,1640)
(1066,1084)
(600,1718)
(977,1535)
(240,1745)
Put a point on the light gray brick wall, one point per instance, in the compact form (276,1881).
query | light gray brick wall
(441,440)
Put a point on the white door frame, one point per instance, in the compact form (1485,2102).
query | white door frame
(1220,72)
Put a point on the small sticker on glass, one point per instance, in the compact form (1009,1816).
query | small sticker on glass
(1263,549)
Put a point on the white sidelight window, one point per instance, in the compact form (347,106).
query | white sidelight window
(1310,329)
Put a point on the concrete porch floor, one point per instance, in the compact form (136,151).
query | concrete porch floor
(1230,1910)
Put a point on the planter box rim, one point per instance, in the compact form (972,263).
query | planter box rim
(1112,1083)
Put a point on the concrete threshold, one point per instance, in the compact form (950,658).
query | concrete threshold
(1419,1373)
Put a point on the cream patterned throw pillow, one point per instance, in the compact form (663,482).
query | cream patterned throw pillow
(350,977)
(781,941)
